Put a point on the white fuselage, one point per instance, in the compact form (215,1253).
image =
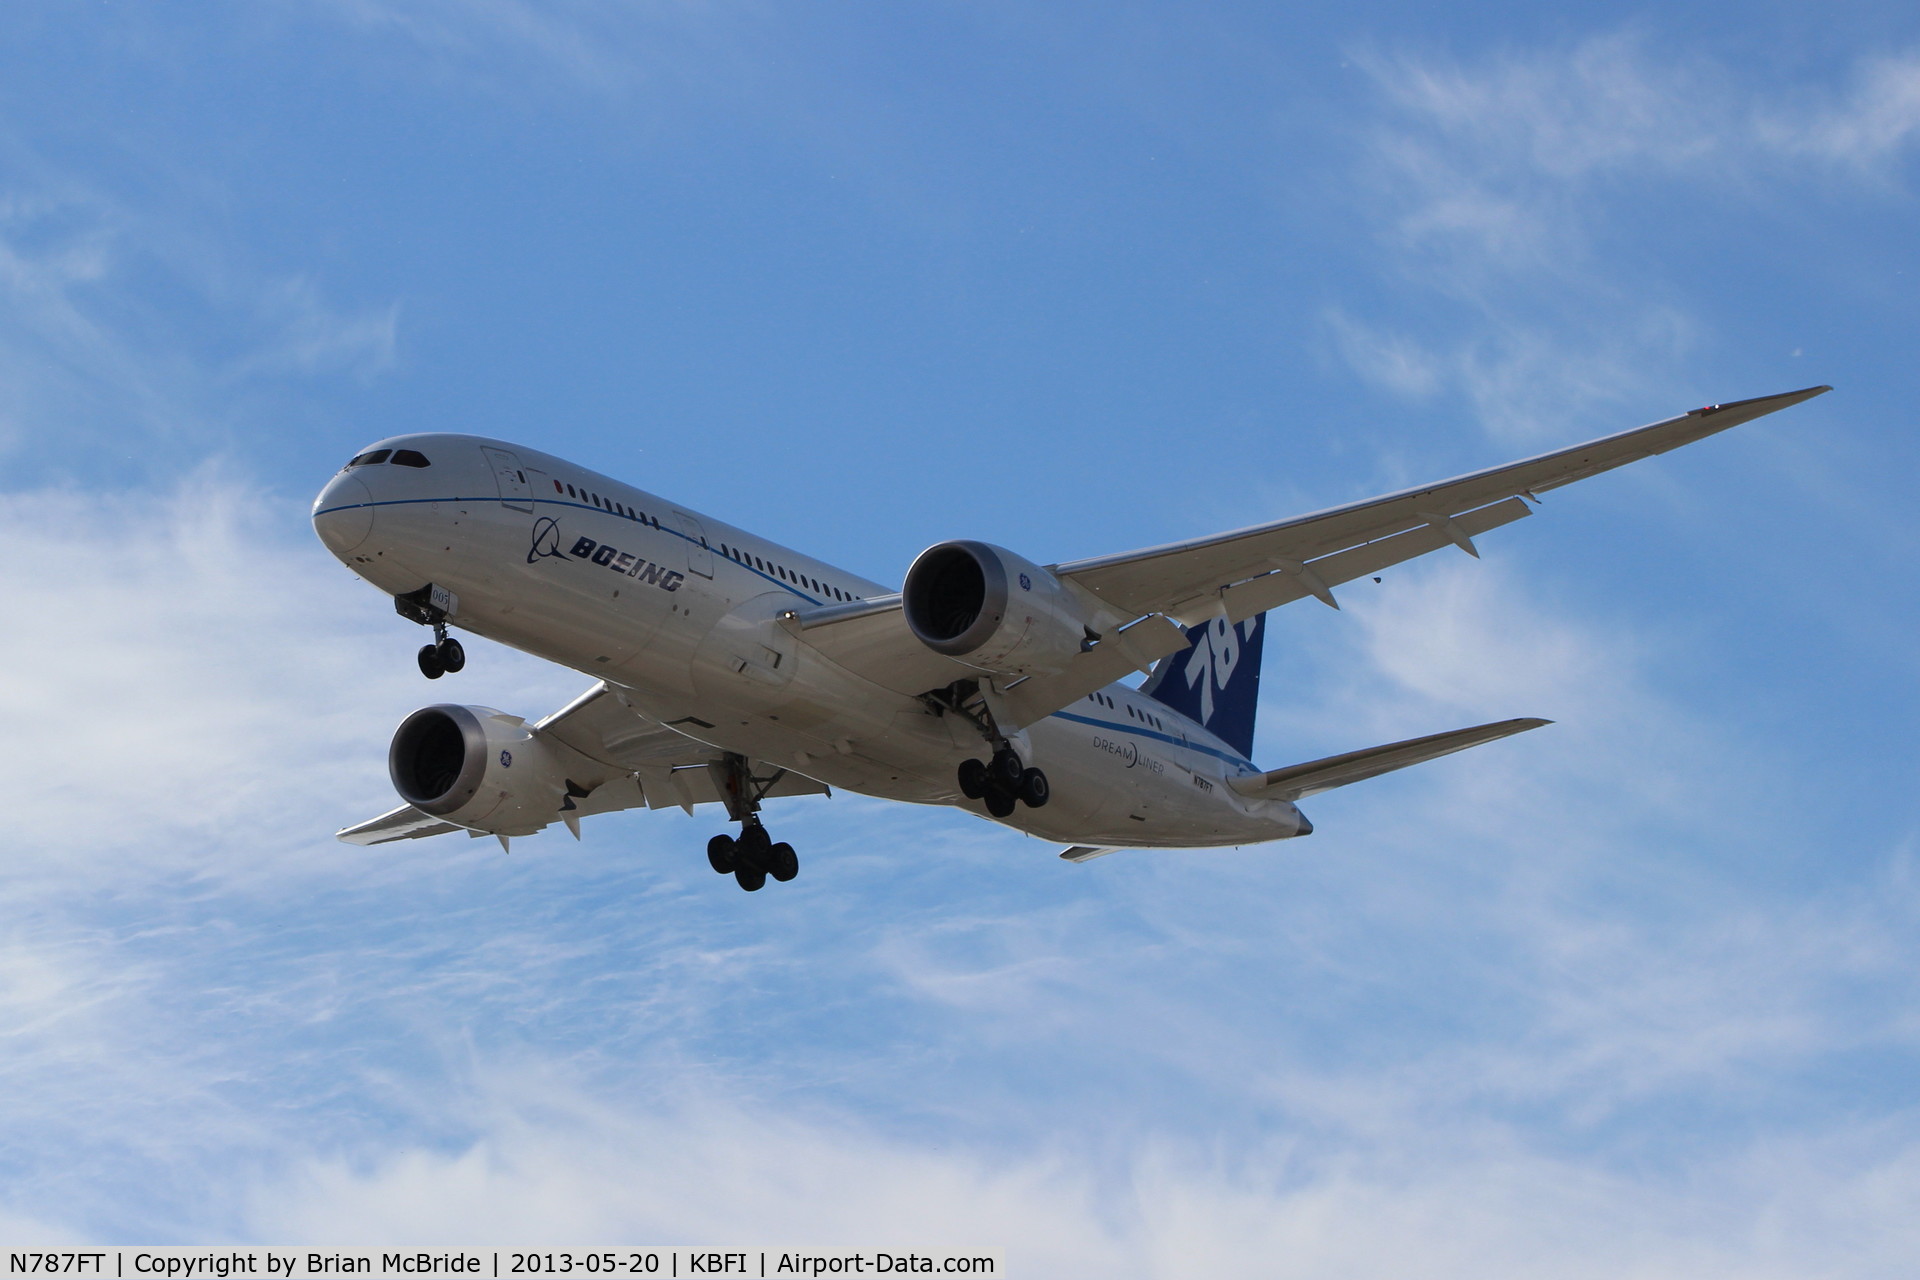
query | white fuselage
(680,611)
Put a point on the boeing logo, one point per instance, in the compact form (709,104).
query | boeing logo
(546,544)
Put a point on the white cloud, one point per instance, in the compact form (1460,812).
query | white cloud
(1870,130)
(312,338)
(182,661)
(558,1165)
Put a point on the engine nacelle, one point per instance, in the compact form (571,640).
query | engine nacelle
(994,610)
(477,768)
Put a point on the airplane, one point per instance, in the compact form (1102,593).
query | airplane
(729,669)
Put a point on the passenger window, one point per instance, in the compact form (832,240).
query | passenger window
(571,493)
(413,458)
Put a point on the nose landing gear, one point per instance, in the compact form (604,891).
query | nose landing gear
(442,657)
(431,606)
(753,856)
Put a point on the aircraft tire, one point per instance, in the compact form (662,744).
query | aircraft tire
(452,655)
(1034,789)
(429,659)
(783,864)
(750,878)
(720,853)
(751,849)
(973,779)
(1006,767)
(1000,803)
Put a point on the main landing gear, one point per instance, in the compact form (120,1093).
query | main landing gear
(753,856)
(430,606)
(1003,782)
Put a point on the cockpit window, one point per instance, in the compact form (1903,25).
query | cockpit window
(368,459)
(410,458)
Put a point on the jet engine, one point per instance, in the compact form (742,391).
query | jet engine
(996,611)
(477,768)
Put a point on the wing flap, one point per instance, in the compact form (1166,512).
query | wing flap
(1283,586)
(1296,782)
(404,823)
(600,725)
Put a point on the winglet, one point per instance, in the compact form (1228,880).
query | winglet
(1781,400)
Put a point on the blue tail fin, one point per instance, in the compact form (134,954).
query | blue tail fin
(1216,680)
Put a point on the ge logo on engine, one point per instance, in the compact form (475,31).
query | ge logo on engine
(506,759)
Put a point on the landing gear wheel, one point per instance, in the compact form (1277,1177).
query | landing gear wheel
(1006,767)
(452,656)
(973,779)
(783,864)
(430,665)
(1000,803)
(1034,789)
(720,853)
(750,878)
(752,849)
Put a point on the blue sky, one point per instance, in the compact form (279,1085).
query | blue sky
(1633,995)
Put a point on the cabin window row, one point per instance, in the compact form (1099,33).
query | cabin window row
(620,509)
(754,562)
(732,553)
(1144,717)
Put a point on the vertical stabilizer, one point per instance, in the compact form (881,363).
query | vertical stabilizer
(1216,679)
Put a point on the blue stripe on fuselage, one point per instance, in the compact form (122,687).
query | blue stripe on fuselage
(1169,739)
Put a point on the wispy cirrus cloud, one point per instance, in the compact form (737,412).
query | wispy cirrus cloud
(1517,197)
(119,325)
(603,47)
(577,1166)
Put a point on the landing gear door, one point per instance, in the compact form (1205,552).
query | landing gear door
(699,557)
(515,492)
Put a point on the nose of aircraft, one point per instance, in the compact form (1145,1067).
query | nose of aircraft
(343,514)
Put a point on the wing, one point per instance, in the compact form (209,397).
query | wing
(1249,571)
(620,758)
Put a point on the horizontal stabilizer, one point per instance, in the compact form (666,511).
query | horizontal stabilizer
(1298,781)
(1087,852)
